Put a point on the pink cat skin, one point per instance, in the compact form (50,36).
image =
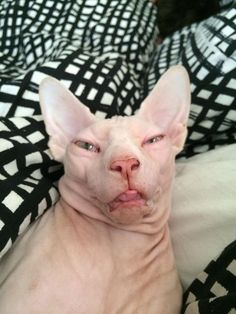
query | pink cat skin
(105,247)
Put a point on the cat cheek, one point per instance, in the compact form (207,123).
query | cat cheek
(76,166)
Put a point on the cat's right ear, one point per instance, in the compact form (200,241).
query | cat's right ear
(64,115)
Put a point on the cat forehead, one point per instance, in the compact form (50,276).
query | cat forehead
(119,127)
(121,123)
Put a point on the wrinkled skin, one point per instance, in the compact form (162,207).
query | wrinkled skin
(120,140)
(105,246)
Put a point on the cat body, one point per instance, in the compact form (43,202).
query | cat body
(105,246)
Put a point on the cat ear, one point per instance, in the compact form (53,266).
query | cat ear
(168,105)
(64,115)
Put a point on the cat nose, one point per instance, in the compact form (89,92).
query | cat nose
(125,166)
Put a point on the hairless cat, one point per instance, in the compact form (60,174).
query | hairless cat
(105,246)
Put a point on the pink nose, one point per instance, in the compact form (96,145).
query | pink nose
(126,166)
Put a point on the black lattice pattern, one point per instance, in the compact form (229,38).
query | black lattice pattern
(214,290)
(207,50)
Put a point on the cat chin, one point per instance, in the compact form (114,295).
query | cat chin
(128,214)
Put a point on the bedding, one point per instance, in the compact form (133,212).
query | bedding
(203,228)
(107,54)
(214,289)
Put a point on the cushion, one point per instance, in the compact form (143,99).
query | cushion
(204,209)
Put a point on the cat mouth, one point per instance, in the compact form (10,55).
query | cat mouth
(127,199)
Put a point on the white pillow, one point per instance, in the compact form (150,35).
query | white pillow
(203,219)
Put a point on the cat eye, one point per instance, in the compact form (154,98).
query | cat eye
(87,146)
(154,139)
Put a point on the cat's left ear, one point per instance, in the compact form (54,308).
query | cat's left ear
(168,105)
(64,115)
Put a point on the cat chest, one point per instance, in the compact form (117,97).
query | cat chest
(52,284)
(50,287)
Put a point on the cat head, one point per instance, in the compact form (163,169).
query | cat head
(121,166)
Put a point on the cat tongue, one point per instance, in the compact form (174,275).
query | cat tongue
(130,195)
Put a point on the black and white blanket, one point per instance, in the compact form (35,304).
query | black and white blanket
(107,54)
(214,290)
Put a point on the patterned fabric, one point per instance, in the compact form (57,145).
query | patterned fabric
(26,177)
(207,50)
(214,291)
(107,54)
(99,50)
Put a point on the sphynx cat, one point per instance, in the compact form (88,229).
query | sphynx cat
(105,246)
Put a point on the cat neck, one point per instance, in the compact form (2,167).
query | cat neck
(77,200)
(129,243)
